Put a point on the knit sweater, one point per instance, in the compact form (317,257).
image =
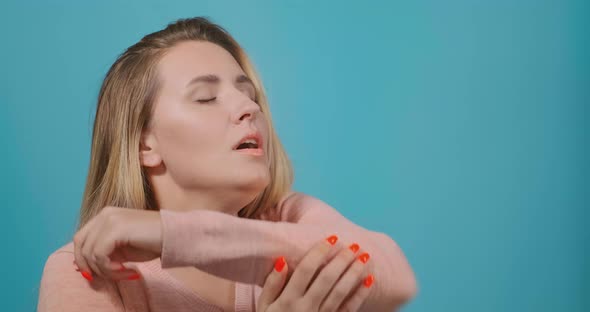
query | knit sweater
(239,249)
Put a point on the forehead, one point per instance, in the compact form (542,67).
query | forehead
(193,58)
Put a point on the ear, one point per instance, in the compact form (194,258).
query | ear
(148,155)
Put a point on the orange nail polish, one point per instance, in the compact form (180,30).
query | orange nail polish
(332,239)
(87,275)
(364,257)
(134,277)
(369,280)
(280,263)
(354,247)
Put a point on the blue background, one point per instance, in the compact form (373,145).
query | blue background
(459,128)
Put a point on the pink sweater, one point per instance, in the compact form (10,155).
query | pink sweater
(239,249)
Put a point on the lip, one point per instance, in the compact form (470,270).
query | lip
(252,135)
(252,151)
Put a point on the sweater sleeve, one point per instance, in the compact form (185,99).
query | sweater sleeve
(244,250)
(64,289)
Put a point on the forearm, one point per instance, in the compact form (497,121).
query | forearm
(244,250)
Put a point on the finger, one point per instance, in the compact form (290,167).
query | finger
(88,251)
(130,253)
(354,302)
(329,276)
(102,250)
(125,275)
(274,284)
(117,259)
(121,274)
(347,283)
(307,267)
(79,241)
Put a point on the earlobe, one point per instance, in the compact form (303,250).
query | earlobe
(148,155)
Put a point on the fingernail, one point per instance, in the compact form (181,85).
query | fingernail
(354,247)
(87,275)
(280,264)
(332,239)
(134,277)
(364,257)
(369,280)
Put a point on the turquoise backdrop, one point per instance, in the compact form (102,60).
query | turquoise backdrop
(459,128)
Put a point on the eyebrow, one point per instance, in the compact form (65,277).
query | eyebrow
(213,79)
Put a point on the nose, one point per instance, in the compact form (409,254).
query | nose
(247,109)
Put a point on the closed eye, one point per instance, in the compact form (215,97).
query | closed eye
(207,100)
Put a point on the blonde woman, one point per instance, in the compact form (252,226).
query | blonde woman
(188,203)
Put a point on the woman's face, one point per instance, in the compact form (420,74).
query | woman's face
(205,106)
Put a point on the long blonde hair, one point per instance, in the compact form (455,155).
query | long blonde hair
(115,175)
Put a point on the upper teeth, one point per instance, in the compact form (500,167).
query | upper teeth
(250,141)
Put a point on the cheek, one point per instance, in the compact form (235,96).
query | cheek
(189,138)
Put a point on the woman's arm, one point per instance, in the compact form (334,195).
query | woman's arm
(244,249)
(63,289)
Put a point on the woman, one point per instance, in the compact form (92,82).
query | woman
(188,202)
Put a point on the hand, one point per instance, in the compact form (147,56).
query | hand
(332,290)
(114,236)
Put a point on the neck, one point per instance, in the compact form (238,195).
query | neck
(171,196)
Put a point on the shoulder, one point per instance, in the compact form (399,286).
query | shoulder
(60,263)
(61,256)
(62,286)
(69,247)
(294,205)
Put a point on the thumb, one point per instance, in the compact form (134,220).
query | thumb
(130,254)
(273,286)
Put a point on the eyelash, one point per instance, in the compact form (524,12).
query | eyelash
(206,101)
(213,99)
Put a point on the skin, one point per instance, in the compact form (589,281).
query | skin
(214,176)
(188,148)
(334,289)
(187,151)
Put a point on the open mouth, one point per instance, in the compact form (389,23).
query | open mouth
(248,144)
(251,144)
